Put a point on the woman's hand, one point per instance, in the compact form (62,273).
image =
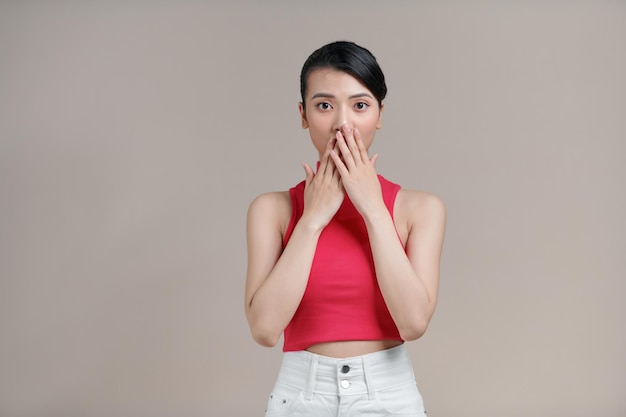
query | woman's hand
(357,171)
(323,193)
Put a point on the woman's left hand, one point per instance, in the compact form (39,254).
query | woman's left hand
(357,170)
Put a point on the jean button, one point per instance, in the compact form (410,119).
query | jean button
(345,369)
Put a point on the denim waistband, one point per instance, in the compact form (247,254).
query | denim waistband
(356,375)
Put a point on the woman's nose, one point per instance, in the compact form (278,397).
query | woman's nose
(341,120)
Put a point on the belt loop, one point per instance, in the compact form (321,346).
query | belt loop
(409,362)
(310,385)
(369,380)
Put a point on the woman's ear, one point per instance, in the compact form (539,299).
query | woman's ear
(379,124)
(305,124)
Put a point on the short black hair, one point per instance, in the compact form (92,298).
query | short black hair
(348,57)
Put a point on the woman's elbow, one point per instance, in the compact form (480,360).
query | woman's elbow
(265,340)
(413,331)
(264,336)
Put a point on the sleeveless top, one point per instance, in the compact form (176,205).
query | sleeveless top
(342,300)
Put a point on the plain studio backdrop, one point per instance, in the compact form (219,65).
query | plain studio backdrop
(134,135)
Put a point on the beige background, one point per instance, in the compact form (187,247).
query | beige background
(133,136)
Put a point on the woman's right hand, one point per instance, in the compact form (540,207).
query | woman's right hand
(323,193)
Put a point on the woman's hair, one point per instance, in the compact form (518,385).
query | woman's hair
(350,58)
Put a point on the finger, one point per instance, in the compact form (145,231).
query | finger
(340,167)
(337,155)
(325,157)
(351,142)
(344,150)
(308,172)
(332,143)
(329,165)
(373,159)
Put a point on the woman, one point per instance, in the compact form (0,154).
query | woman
(345,265)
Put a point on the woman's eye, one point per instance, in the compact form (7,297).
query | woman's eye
(324,106)
(361,105)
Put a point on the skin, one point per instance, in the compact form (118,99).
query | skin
(342,117)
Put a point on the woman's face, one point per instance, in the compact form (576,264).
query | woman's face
(333,99)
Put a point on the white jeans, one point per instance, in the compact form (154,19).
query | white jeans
(377,384)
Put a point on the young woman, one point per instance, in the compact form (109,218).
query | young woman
(345,265)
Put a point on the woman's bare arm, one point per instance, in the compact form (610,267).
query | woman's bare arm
(276,278)
(408,280)
(409,277)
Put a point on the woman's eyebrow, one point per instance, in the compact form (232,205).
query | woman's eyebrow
(361,95)
(328,95)
(322,95)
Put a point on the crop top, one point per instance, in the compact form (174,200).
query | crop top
(342,300)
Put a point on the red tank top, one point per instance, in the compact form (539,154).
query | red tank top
(342,300)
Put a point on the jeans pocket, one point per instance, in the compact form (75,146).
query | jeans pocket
(403,400)
(282,401)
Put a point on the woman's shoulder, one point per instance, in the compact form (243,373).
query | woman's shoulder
(272,209)
(271,200)
(419,197)
(415,205)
